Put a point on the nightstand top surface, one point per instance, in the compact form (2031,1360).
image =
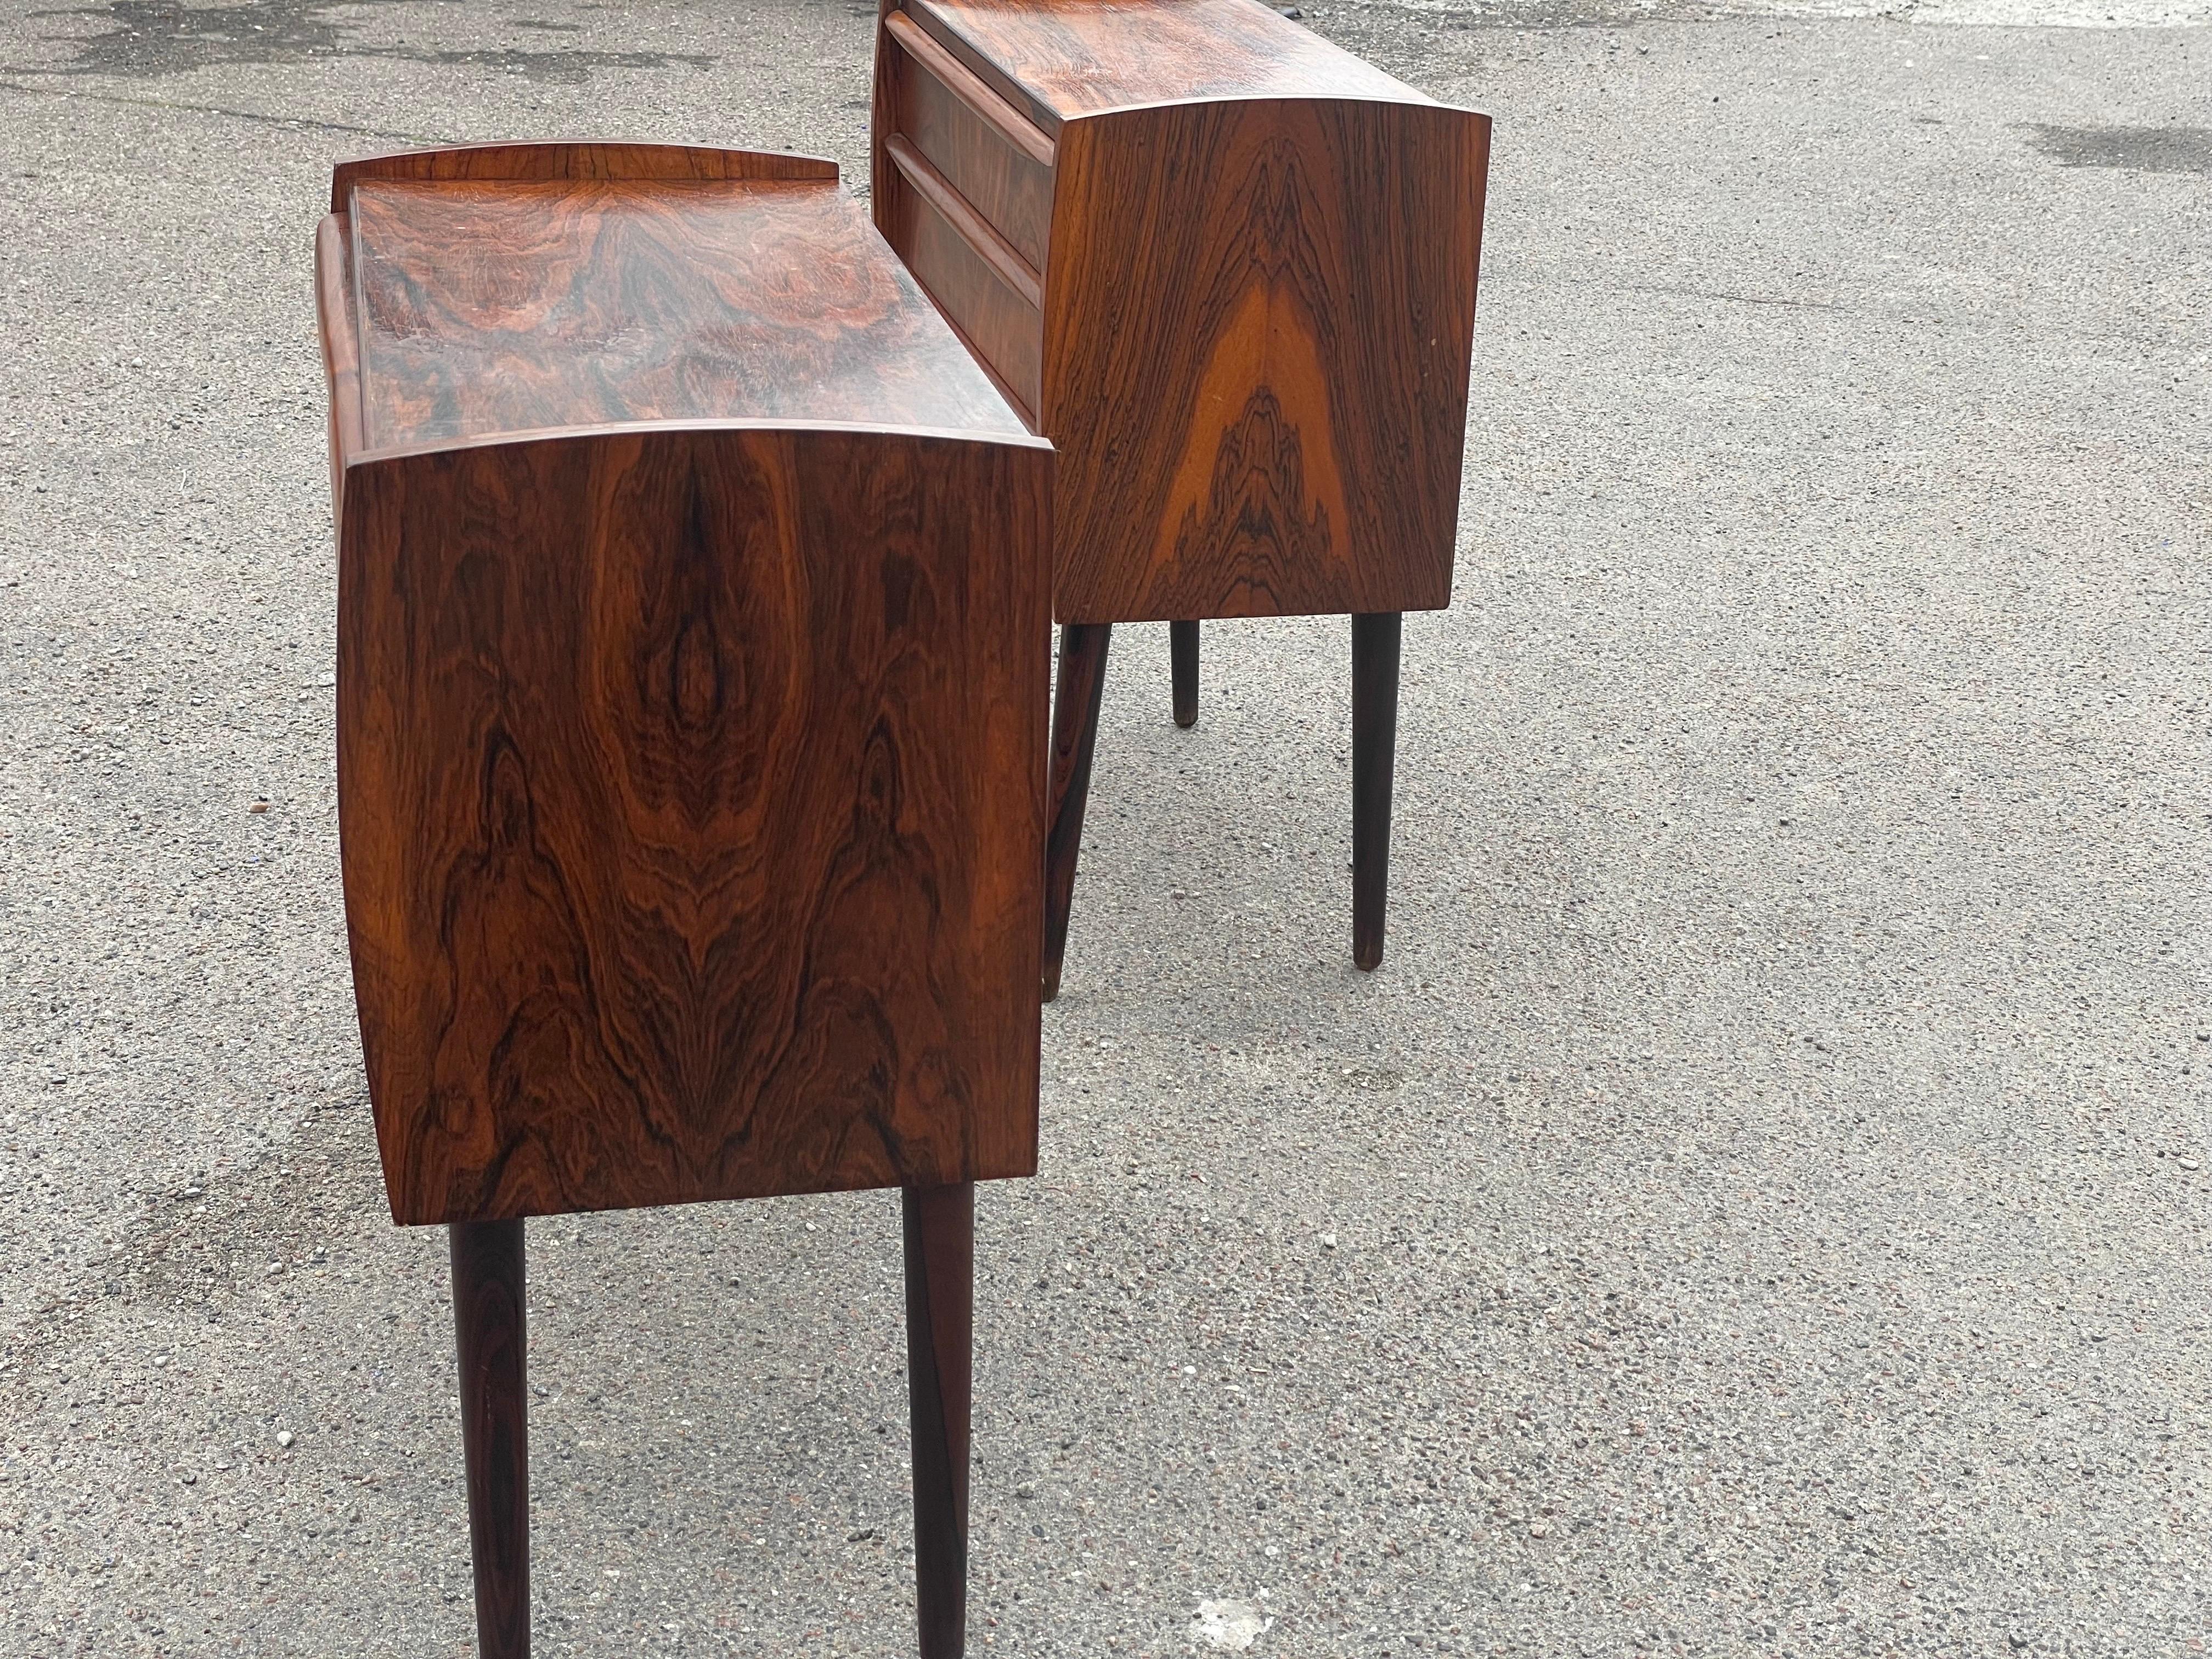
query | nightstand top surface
(1081,57)
(484,309)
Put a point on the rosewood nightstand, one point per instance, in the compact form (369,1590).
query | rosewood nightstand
(1230,271)
(693,648)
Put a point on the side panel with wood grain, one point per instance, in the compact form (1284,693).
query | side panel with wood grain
(1258,330)
(691,790)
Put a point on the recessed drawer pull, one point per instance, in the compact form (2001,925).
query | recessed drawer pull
(994,249)
(964,84)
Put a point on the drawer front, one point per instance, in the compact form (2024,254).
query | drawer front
(992,156)
(1000,325)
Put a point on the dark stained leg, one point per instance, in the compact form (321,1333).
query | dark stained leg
(1183,646)
(1074,733)
(941,1298)
(1374,740)
(488,1320)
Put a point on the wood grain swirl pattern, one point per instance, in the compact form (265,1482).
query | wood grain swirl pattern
(485,309)
(1079,57)
(690,791)
(1257,334)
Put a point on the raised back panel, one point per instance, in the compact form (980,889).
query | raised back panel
(690,786)
(1077,57)
(1257,334)
(542,162)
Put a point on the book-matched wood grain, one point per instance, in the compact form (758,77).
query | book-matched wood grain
(543,163)
(486,309)
(690,791)
(1256,291)
(1285,290)
(1256,308)
(693,601)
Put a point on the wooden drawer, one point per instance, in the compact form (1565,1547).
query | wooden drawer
(999,162)
(975,277)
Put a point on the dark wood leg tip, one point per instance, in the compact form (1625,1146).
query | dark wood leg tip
(1074,739)
(1374,640)
(1183,648)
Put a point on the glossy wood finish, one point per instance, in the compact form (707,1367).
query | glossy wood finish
(491,1334)
(542,163)
(1079,57)
(940,1277)
(987,151)
(1374,640)
(341,350)
(688,786)
(1007,263)
(972,273)
(690,760)
(693,631)
(1076,698)
(1286,289)
(487,310)
(1183,649)
(1257,290)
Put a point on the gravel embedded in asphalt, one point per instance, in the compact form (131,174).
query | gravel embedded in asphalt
(1758,1207)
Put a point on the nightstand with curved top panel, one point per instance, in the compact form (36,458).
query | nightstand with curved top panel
(1230,271)
(692,659)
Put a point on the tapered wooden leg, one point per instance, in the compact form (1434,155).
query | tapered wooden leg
(487,1321)
(1074,733)
(940,1302)
(1182,646)
(1373,743)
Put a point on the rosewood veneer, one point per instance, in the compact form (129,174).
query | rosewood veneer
(693,653)
(1230,271)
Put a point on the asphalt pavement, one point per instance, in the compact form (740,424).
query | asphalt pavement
(1759,1208)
